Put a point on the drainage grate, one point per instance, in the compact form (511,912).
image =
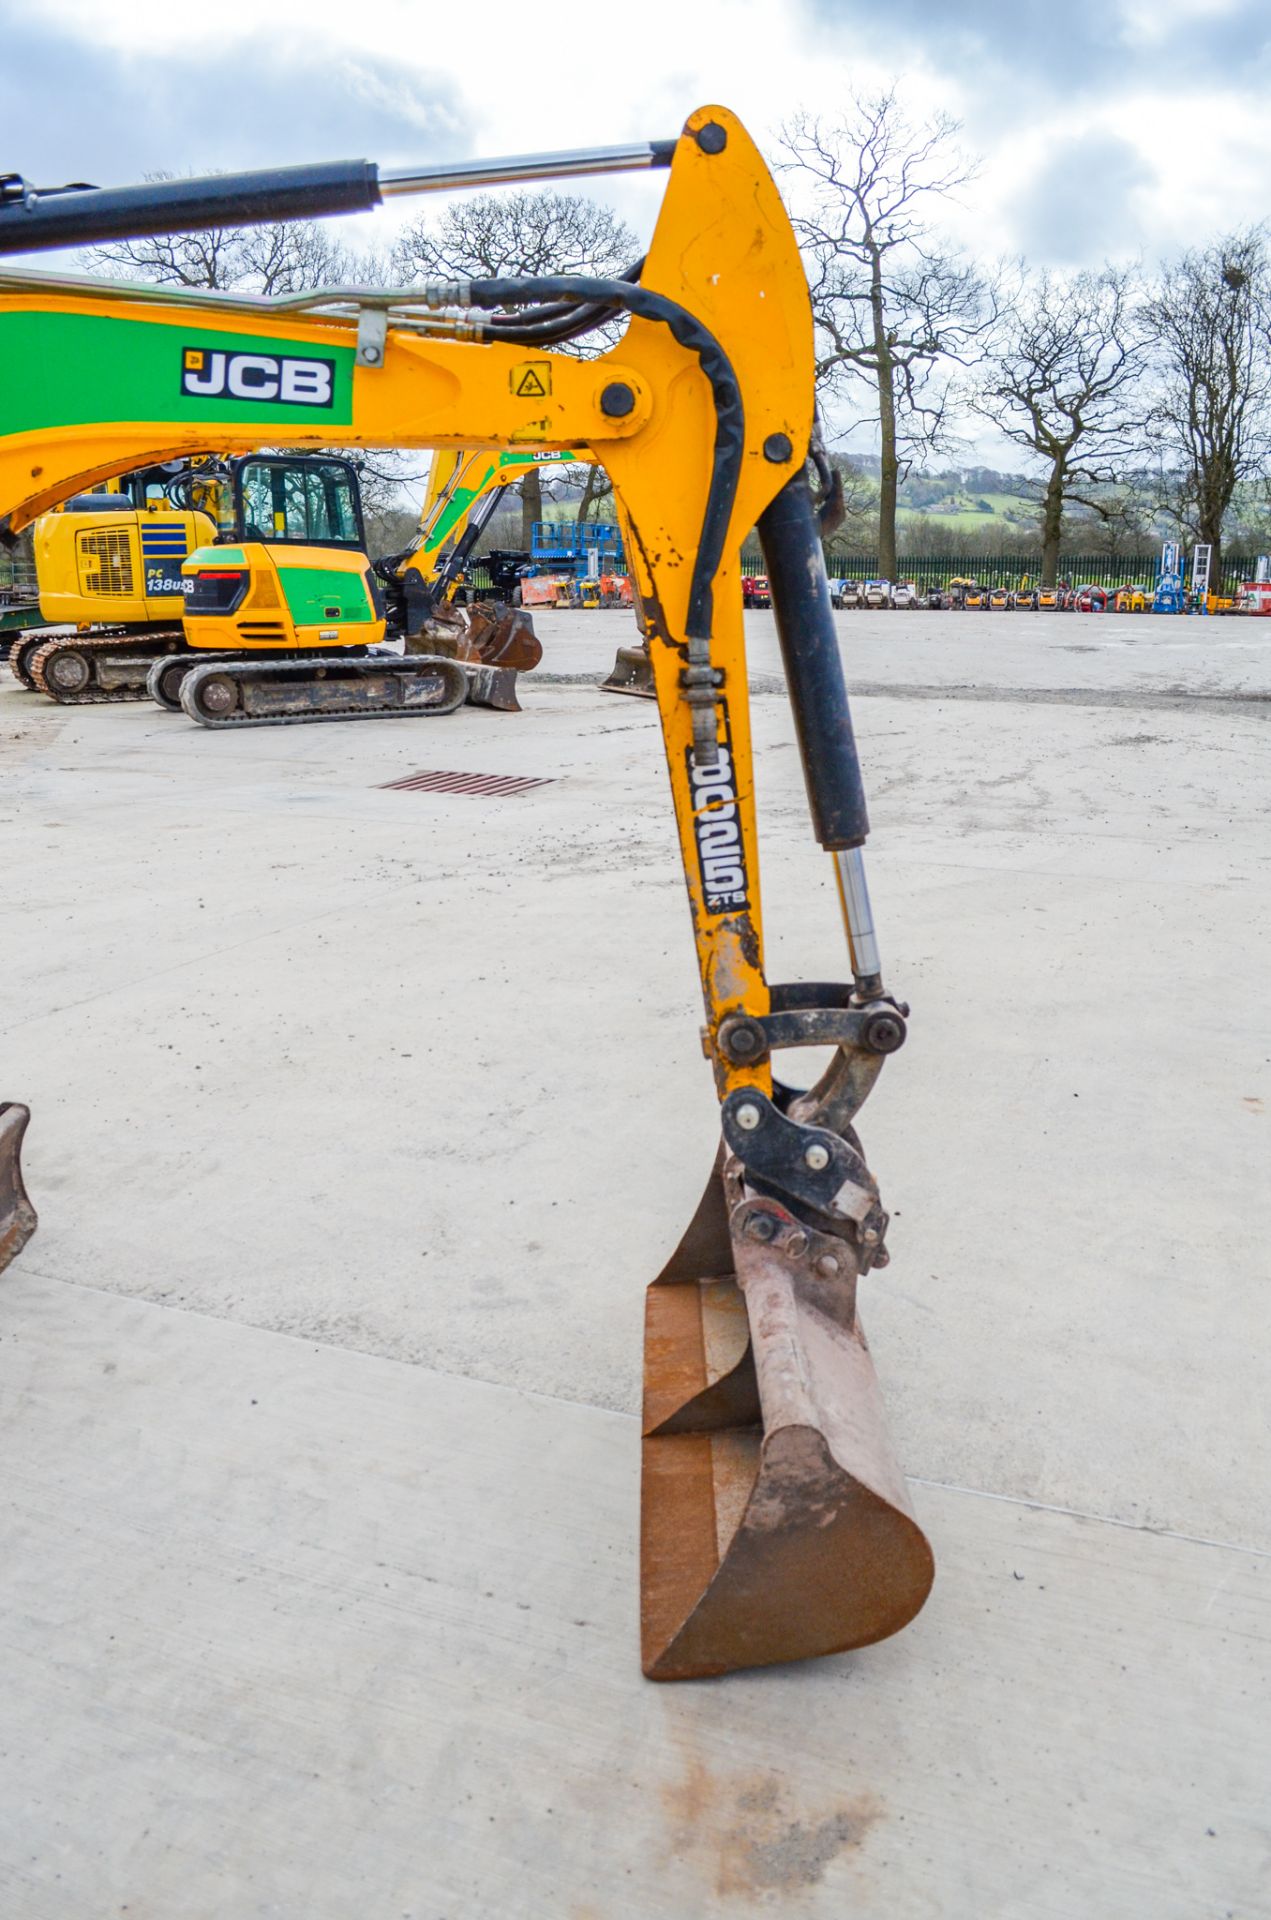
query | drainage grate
(496,783)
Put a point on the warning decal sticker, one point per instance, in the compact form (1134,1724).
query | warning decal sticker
(532,380)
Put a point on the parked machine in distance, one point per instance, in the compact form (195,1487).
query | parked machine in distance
(108,562)
(260,561)
(1254,596)
(755,591)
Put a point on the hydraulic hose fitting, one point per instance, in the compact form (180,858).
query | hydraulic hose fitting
(446,293)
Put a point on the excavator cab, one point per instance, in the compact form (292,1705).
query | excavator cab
(293,573)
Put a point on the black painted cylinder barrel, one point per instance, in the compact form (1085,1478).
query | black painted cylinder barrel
(800,591)
(80,216)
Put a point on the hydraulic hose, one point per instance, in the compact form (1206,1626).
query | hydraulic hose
(688,330)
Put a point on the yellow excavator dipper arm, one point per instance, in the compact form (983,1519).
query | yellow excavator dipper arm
(457,483)
(453,515)
(775,1521)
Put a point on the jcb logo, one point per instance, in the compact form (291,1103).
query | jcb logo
(209,374)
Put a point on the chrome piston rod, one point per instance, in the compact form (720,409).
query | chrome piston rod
(858,918)
(567,165)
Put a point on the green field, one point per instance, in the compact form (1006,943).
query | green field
(959,513)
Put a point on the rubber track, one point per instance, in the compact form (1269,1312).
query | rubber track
(93,696)
(192,660)
(396,664)
(24,680)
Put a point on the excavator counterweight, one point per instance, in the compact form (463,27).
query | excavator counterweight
(775,1521)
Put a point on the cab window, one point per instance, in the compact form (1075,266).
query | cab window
(315,503)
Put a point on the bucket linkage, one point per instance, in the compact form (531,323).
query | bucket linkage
(775,1521)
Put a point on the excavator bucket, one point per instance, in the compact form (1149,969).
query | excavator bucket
(493,642)
(17,1215)
(504,636)
(632,672)
(775,1523)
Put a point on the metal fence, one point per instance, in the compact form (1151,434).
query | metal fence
(1009,570)
(17,581)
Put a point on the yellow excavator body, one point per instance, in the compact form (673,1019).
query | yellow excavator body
(257,597)
(775,1519)
(103,563)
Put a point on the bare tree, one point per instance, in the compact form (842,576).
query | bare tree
(1210,315)
(1060,380)
(894,308)
(594,485)
(492,235)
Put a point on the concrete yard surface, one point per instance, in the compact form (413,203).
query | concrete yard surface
(309,1632)
(361,1118)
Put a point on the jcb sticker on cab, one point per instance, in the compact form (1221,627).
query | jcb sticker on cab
(210,373)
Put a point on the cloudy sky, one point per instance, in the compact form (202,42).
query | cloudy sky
(1104,127)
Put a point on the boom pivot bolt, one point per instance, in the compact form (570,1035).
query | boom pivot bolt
(778,448)
(617,400)
(712,138)
(748,1118)
(817,1157)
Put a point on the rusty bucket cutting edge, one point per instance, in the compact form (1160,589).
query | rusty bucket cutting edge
(493,687)
(775,1524)
(17,1215)
(632,672)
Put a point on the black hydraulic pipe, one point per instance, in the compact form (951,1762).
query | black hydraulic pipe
(792,553)
(31,219)
(457,559)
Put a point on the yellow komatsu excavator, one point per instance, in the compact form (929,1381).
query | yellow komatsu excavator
(112,559)
(775,1520)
